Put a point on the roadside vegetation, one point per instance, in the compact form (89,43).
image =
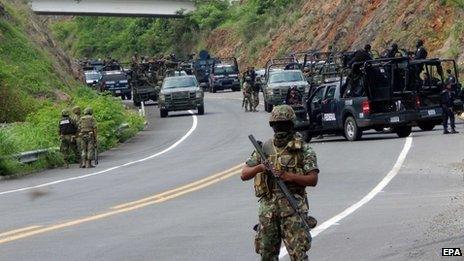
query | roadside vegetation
(35,87)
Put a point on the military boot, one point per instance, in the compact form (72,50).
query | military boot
(88,164)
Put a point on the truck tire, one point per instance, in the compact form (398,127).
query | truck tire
(212,89)
(268,107)
(129,96)
(163,113)
(123,97)
(403,131)
(426,126)
(137,103)
(306,136)
(352,131)
(201,110)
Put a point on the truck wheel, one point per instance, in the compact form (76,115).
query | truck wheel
(352,131)
(129,96)
(403,131)
(163,113)
(137,103)
(426,126)
(268,107)
(123,97)
(306,136)
(212,89)
(201,110)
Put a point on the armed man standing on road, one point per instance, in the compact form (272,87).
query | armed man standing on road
(447,103)
(67,130)
(76,144)
(88,136)
(296,162)
(247,93)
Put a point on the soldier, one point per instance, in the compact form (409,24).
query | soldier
(88,136)
(421,52)
(447,103)
(392,51)
(247,94)
(296,161)
(66,131)
(76,143)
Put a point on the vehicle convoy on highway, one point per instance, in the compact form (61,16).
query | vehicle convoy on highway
(180,93)
(281,74)
(115,80)
(224,75)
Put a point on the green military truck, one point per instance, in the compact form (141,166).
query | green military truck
(144,83)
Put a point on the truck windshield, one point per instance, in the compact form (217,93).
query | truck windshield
(183,82)
(224,70)
(92,76)
(285,76)
(114,77)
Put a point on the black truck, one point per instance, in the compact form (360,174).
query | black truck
(378,97)
(224,75)
(202,68)
(115,80)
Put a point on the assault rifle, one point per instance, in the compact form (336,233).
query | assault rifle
(280,183)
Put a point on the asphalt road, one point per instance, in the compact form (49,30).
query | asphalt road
(155,197)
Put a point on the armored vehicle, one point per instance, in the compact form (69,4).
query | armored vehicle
(180,93)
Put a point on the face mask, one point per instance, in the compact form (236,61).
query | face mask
(283,133)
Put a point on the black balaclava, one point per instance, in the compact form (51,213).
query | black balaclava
(283,132)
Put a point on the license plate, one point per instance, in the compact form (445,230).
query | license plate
(118,91)
(395,119)
(431,112)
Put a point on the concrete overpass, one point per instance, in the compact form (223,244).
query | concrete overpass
(152,8)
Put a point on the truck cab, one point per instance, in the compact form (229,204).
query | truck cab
(115,80)
(224,75)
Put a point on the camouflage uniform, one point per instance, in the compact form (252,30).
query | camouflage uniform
(277,219)
(88,136)
(67,131)
(75,146)
(247,95)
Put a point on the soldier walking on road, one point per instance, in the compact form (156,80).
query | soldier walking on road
(75,117)
(247,94)
(296,161)
(67,130)
(88,136)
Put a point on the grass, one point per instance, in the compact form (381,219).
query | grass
(34,90)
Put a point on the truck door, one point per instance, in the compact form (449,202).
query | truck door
(329,108)
(315,107)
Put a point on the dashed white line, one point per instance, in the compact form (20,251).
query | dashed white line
(191,130)
(383,183)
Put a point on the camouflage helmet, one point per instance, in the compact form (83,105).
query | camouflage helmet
(76,110)
(88,111)
(65,113)
(282,113)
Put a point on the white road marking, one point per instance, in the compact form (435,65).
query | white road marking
(385,181)
(192,129)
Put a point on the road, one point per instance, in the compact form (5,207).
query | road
(174,193)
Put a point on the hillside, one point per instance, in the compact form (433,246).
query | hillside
(37,81)
(256,30)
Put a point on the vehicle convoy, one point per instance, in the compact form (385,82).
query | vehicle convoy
(144,83)
(281,74)
(115,80)
(380,97)
(224,75)
(180,93)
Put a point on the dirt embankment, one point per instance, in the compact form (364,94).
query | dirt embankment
(349,24)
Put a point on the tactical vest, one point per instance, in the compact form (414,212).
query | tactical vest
(67,127)
(86,124)
(289,159)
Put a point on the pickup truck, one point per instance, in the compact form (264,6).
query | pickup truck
(115,80)
(180,93)
(379,98)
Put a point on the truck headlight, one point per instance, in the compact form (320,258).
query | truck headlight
(162,97)
(199,94)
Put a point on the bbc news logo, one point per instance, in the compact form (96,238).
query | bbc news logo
(451,252)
